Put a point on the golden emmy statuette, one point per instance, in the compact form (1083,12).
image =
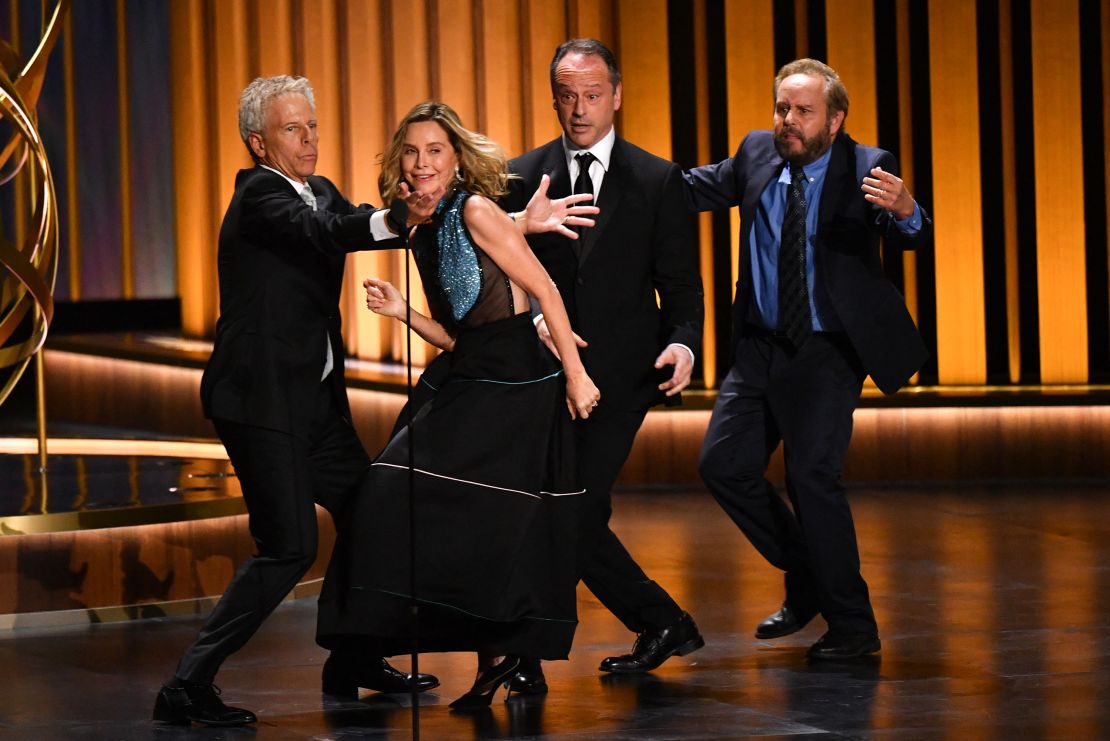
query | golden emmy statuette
(29,247)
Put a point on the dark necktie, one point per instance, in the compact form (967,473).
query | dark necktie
(794,316)
(583,183)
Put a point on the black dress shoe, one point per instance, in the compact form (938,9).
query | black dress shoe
(844,645)
(343,676)
(181,703)
(653,647)
(784,622)
(529,679)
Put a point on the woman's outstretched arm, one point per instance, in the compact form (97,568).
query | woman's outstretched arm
(383,298)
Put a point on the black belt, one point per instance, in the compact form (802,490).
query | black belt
(756,330)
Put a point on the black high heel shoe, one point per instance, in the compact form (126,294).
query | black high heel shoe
(481,694)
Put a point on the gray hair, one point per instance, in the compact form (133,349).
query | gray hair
(256,96)
(836,95)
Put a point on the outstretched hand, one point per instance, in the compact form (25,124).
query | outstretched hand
(887,190)
(543,214)
(383,298)
(421,205)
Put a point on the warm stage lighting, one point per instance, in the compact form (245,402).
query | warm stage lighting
(100,446)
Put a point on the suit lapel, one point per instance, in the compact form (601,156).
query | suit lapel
(555,165)
(613,186)
(838,180)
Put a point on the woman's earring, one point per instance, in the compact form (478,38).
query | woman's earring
(458,173)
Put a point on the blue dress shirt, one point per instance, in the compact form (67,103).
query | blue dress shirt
(766,238)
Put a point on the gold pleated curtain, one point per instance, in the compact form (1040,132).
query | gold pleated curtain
(370,60)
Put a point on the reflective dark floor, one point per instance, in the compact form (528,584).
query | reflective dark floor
(994,606)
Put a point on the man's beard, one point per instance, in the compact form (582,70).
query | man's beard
(812,148)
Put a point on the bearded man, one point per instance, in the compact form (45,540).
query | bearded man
(814,314)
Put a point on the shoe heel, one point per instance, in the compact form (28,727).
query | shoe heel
(690,646)
(340,689)
(481,694)
(164,712)
(337,684)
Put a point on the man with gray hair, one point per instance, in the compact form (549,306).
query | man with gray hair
(274,386)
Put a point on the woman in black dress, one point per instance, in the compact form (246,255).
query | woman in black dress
(494,499)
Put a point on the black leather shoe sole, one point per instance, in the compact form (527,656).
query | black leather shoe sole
(166,711)
(772,628)
(336,680)
(848,650)
(524,684)
(614,664)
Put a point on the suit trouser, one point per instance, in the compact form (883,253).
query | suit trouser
(603,442)
(282,477)
(806,400)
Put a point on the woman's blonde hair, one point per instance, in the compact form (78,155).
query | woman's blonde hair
(482,167)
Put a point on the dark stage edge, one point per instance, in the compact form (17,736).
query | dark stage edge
(993,605)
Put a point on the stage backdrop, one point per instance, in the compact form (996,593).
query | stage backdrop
(996,109)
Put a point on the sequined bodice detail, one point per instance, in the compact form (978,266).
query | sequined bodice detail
(465,288)
(460,274)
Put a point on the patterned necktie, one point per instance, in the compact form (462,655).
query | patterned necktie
(584,183)
(308,196)
(794,315)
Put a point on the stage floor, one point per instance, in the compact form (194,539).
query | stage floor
(994,607)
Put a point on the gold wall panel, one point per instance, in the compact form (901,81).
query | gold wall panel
(365,130)
(543,28)
(646,113)
(1058,162)
(500,77)
(850,30)
(272,52)
(750,76)
(592,19)
(195,176)
(957,209)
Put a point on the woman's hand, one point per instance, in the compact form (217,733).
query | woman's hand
(383,298)
(582,395)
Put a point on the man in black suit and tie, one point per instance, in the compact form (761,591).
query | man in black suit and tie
(639,353)
(813,315)
(274,386)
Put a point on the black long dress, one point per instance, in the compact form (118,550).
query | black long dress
(495,505)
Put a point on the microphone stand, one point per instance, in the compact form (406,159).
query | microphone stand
(415,608)
(398,213)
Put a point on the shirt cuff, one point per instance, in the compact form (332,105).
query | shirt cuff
(378,229)
(679,344)
(912,224)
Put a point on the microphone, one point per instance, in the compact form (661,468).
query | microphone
(398,218)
